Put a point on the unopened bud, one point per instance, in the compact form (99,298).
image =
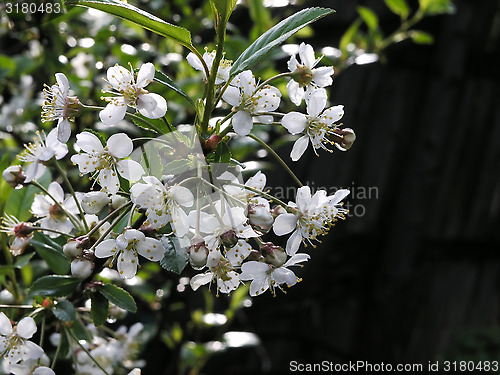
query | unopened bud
(14,176)
(71,249)
(198,253)
(274,255)
(229,238)
(255,256)
(94,202)
(211,143)
(260,218)
(82,267)
(7,297)
(117,201)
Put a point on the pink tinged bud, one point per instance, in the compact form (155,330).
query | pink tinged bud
(260,218)
(275,255)
(255,256)
(23,230)
(229,238)
(82,268)
(72,249)
(14,176)
(211,143)
(346,138)
(117,201)
(198,253)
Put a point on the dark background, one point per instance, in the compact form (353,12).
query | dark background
(416,278)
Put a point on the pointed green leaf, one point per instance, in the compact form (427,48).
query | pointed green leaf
(56,260)
(162,78)
(120,297)
(224,8)
(54,285)
(275,36)
(176,256)
(398,7)
(133,14)
(348,37)
(421,37)
(369,17)
(154,125)
(99,309)
(222,153)
(433,7)
(64,310)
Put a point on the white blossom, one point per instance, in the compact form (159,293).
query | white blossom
(49,212)
(105,163)
(317,124)
(312,216)
(58,105)
(163,203)
(250,104)
(21,231)
(14,341)
(93,202)
(121,83)
(265,276)
(126,247)
(307,78)
(40,151)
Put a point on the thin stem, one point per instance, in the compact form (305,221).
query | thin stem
(103,221)
(222,91)
(17,307)
(108,231)
(152,140)
(277,157)
(72,192)
(281,75)
(42,333)
(404,27)
(39,229)
(91,107)
(53,365)
(129,223)
(260,192)
(166,123)
(75,339)
(70,216)
(200,57)
(134,116)
(228,116)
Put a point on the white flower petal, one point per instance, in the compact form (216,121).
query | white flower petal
(247,82)
(323,76)
(89,143)
(146,75)
(33,351)
(63,130)
(200,279)
(259,285)
(127,264)
(293,243)
(338,196)
(43,370)
(151,249)
(333,114)
(297,258)
(182,195)
(130,170)
(238,253)
(86,163)
(294,122)
(158,111)
(195,62)
(35,171)
(316,102)
(106,249)
(26,328)
(5,325)
(56,191)
(306,53)
(62,82)
(295,92)
(114,112)
(108,179)
(232,96)
(120,145)
(303,198)
(284,224)
(242,123)
(299,147)
(41,205)
(292,63)
(134,234)
(119,77)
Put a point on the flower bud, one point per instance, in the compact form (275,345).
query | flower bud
(346,139)
(14,176)
(229,238)
(94,202)
(260,218)
(117,201)
(255,255)
(82,267)
(198,253)
(7,297)
(274,255)
(211,143)
(277,211)
(72,249)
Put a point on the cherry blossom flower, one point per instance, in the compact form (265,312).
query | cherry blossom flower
(163,203)
(58,105)
(126,248)
(317,124)
(130,93)
(250,104)
(265,276)
(93,202)
(208,57)
(107,162)
(50,214)
(312,216)
(14,341)
(306,78)
(22,232)
(40,151)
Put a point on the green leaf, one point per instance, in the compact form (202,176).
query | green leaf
(369,17)
(398,7)
(7,66)
(54,285)
(421,37)
(162,78)
(119,297)
(176,256)
(64,310)
(348,37)
(224,8)
(275,36)
(154,125)
(56,260)
(23,260)
(99,309)
(433,7)
(178,166)
(222,153)
(144,19)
